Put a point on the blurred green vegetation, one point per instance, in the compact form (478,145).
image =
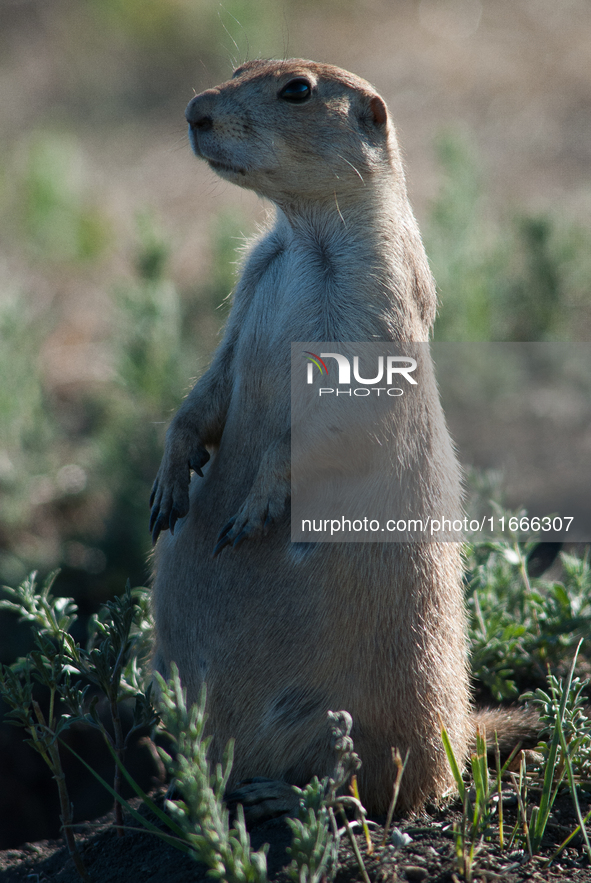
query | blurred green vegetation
(519,277)
(57,218)
(76,465)
(113,58)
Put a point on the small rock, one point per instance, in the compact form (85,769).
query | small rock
(414,873)
(399,838)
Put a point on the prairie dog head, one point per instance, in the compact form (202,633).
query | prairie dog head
(295,130)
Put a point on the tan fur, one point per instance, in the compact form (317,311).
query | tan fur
(513,726)
(280,632)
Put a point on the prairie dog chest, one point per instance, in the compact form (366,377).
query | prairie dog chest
(305,285)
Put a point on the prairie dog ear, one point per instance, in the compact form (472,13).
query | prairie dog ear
(378,110)
(374,112)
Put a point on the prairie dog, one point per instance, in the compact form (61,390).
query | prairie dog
(283,633)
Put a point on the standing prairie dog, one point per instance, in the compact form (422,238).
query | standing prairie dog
(281,632)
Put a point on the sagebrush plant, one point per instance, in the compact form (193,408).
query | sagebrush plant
(313,850)
(47,665)
(199,825)
(315,832)
(113,661)
(200,822)
(201,813)
(204,819)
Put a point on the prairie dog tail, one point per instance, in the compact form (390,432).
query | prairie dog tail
(513,726)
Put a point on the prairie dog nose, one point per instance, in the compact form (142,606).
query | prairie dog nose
(196,114)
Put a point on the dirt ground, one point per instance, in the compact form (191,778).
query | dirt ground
(429,856)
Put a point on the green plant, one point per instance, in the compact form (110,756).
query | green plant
(201,814)
(480,804)
(575,724)
(315,833)
(204,820)
(565,755)
(313,848)
(198,823)
(519,625)
(46,665)
(569,747)
(520,786)
(112,662)
(60,221)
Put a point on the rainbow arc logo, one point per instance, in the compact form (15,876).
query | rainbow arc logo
(316,360)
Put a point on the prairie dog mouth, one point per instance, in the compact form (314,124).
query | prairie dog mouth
(218,166)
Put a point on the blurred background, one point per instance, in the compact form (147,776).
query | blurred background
(118,248)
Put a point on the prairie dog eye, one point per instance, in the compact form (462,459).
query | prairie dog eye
(297,91)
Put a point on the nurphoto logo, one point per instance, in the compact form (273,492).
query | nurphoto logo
(388,368)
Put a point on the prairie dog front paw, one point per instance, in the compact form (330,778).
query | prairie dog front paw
(170,493)
(253,519)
